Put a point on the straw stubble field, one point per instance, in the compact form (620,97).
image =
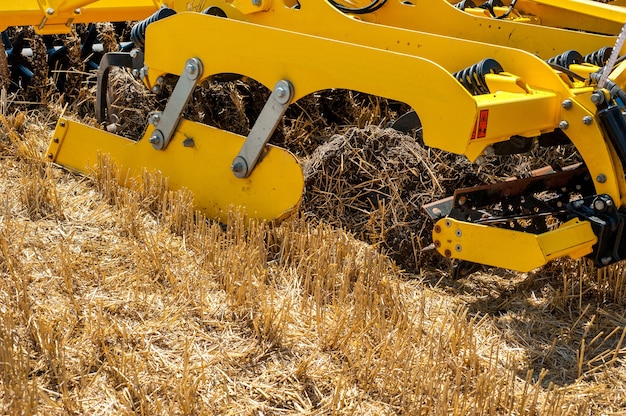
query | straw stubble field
(119,301)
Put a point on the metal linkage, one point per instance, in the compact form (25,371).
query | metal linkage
(167,120)
(133,59)
(263,128)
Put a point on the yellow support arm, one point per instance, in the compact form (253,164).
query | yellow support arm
(510,249)
(57,16)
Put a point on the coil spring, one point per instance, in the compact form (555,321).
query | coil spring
(567,58)
(462,5)
(473,77)
(138,32)
(370,8)
(488,5)
(599,57)
(214,11)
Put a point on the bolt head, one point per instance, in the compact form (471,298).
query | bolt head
(563,125)
(601,178)
(597,98)
(49,10)
(587,120)
(599,205)
(238,167)
(256,2)
(154,140)
(567,104)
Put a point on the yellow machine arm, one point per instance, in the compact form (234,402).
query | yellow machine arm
(57,16)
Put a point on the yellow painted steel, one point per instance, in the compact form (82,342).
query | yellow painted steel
(272,191)
(512,249)
(439,17)
(57,16)
(549,37)
(419,76)
(455,54)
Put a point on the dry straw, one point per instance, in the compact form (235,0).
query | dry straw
(125,301)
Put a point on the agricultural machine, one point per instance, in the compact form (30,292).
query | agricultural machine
(482,80)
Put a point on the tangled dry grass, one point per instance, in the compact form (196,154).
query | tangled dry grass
(118,301)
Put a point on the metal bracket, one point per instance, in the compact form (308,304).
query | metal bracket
(133,59)
(167,121)
(263,128)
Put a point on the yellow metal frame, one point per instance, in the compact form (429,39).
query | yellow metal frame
(400,64)
(57,16)
(440,17)
(432,61)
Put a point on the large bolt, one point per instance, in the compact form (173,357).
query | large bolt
(599,205)
(155,140)
(587,120)
(50,11)
(601,178)
(239,167)
(563,125)
(155,118)
(567,104)
(597,98)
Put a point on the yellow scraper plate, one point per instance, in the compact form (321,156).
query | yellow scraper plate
(201,164)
